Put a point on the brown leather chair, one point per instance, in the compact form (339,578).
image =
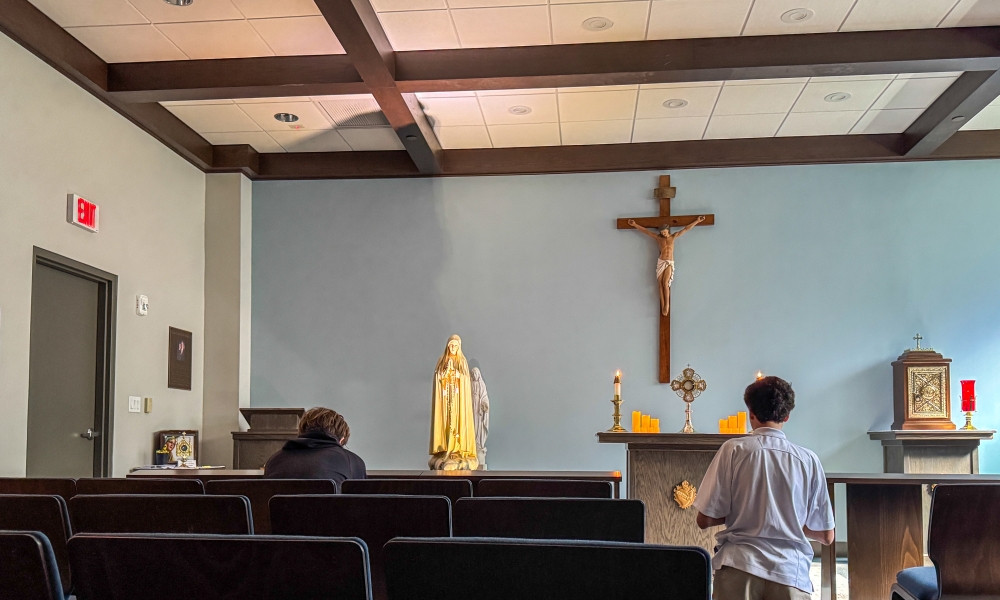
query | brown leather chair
(544,488)
(46,515)
(38,485)
(417,569)
(146,485)
(453,489)
(551,519)
(248,567)
(374,519)
(152,513)
(260,492)
(28,567)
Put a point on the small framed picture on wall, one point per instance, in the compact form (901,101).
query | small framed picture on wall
(179,360)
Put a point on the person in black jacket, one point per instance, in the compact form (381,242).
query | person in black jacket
(318,452)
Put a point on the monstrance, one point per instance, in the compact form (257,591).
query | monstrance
(688,385)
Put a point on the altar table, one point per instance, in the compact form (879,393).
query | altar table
(614,477)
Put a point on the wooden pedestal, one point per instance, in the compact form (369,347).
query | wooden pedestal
(269,429)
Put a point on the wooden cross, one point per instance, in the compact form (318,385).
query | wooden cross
(664,193)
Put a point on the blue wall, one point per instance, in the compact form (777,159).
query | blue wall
(817,274)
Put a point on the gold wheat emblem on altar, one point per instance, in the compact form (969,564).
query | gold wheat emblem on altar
(684,495)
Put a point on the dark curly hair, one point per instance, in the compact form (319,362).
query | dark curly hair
(770,399)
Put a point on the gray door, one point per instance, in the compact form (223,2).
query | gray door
(63,375)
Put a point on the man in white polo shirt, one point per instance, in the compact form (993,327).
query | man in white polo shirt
(772,497)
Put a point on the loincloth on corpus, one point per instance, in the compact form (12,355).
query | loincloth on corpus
(661,267)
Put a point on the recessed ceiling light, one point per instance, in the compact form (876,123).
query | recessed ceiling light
(519,110)
(797,15)
(675,103)
(179,2)
(598,24)
(958,118)
(286,117)
(837,97)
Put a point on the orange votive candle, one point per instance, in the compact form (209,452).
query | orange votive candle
(741,422)
(636,421)
(723,425)
(654,425)
(645,423)
(733,424)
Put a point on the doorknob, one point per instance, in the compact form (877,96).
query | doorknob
(90,434)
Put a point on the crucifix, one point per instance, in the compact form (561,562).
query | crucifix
(665,264)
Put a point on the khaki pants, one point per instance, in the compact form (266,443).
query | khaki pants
(733,584)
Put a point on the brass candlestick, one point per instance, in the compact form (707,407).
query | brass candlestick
(617,427)
(968,421)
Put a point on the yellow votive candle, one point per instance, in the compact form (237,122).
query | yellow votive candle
(654,424)
(723,425)
(732,424)
(645,423)
(741,422)
(636,421)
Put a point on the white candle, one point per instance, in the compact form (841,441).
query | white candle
(618,384)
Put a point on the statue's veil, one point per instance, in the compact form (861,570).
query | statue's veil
(462,366)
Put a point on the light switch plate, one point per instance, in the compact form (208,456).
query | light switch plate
(147,405)
(134,404)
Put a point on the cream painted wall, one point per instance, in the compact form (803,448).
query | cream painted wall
(56,139)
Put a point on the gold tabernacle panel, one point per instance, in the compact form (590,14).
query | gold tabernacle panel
(921,391)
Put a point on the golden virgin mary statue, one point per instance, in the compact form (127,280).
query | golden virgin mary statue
(453,431)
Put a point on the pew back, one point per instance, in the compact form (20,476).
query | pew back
(551,518)
(154,513)
(416,569)
(219,566)
(453,489)
(544,488)
(45,514)
(260,492)
(38,485)
(374,519)
(28,567)
(145,485)
(963,540)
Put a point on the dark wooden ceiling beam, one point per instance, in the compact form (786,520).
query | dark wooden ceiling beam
(360,33)
(25,24)
(969,94)
(344,165)
(262,77)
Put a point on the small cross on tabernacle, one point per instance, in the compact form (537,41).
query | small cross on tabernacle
(918,338)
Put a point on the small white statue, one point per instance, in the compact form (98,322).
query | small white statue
(481,415)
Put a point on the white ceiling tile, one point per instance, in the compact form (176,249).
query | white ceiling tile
(404,5)
(448,112)
(524,135)
(953,75)
(887,121)
(515,92)
(159,11)
(973,13)
(369,139)
(743,126)
(597,132)
(861,95)
(676,19)
(766,81)
(260,141)
(419,30)
(497,109)
(310,116)
(597,88)
(423,95)
(682,84)
(127,43)
(492,3)
(871,15)
(700,102)
(988,118)
(628,22)
(264,9)
(766,16)
(597,106)
(463,136)
(298,36)
(74,13)
(359,110)
(669,130)
(194,102)
(886,77)
(216,39)
(820,123)
(214,118)
(494,27)
(912,93)
(757,99)
(271,100)
(327,140)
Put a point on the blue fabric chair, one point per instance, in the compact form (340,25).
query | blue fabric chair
(502,569)
(963,545)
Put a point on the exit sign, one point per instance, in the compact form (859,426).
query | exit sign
(83,213)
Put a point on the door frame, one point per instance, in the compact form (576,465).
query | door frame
(107,319)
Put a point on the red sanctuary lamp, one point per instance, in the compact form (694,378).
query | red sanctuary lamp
(968,401)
